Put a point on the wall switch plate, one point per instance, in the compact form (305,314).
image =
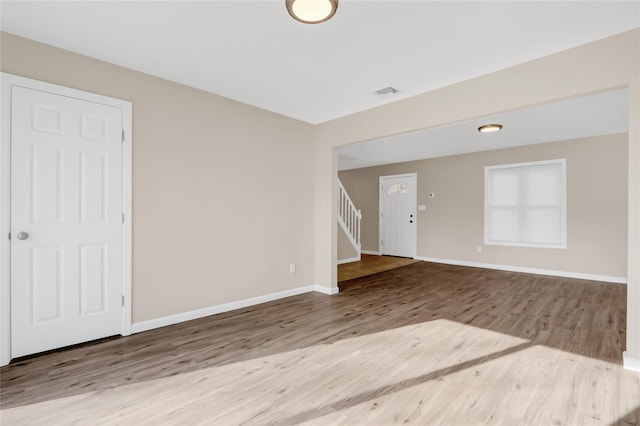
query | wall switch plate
(292,268)
(432,195)
(422,207)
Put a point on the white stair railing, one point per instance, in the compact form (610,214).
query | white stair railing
(349,218)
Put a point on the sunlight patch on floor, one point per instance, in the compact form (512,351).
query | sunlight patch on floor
(537,385)
(434,372)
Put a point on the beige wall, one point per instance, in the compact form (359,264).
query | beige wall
(219,212)
(452,225)
(610,63)
(345,248)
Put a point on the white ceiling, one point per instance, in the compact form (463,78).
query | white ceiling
(594,115)
(252,51)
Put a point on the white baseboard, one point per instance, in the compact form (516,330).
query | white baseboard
(629,363)
(349,260)
(579,275)
(326,290)
(226,307)
(371,252)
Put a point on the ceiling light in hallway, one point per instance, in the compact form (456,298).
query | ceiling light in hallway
(487,128)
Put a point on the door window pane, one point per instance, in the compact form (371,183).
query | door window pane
(397,189)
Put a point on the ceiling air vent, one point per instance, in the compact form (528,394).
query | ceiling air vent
(386,91)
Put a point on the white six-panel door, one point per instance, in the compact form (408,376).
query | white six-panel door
(398,215)
(66,221)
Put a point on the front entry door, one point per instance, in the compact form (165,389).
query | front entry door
(398,215)
(66,221)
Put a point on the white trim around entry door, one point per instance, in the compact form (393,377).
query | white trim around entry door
(7,81)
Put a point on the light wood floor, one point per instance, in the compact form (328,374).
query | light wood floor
(369,265)
(422,344)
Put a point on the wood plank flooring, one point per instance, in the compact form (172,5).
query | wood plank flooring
(369,265)
(421,344)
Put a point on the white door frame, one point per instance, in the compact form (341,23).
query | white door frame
(415,203)
(9,80)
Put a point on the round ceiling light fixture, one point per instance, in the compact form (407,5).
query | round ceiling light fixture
(311,11)
(488,128)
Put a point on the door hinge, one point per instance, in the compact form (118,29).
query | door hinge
(123,217)
(9,235)
(381,242)
(122,135)
(123,300)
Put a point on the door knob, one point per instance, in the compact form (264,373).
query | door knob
(410,221)
(23,235)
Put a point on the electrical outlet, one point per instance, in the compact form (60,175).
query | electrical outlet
(292,268)
(479,249)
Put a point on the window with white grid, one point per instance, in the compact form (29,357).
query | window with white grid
(526,204)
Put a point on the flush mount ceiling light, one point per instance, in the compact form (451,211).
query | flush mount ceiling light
(488,128)
(311,11)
